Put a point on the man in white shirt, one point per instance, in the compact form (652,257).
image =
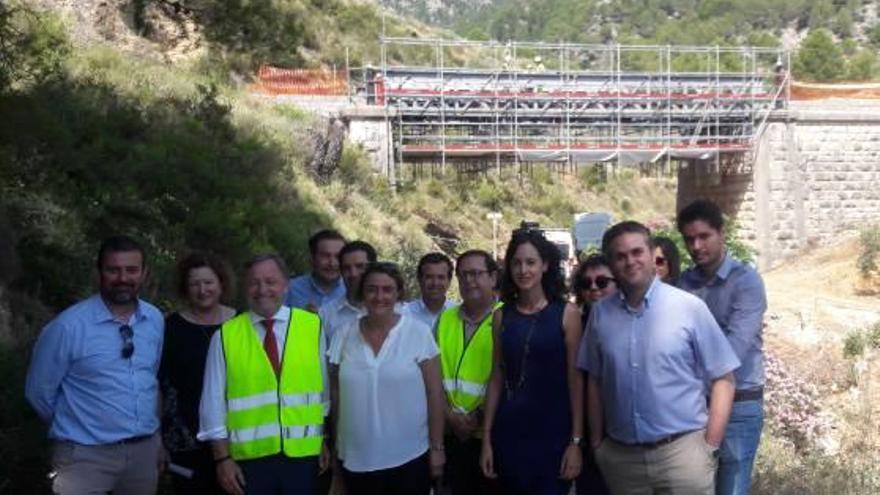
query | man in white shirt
(434,274)
(271,355)
(342,311)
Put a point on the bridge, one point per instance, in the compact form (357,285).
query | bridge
(791,173)
(454,102)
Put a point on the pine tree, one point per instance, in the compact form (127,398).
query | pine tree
(819,58)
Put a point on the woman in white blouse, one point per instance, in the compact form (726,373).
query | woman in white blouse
(387,394)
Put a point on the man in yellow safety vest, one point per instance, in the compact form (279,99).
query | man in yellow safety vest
(464,334)
(264,398)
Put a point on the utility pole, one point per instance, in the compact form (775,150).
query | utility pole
(495,216)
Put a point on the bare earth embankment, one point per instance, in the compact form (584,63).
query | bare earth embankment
(814,304)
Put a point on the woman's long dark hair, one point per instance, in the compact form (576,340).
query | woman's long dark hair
(551,281)
(673,258)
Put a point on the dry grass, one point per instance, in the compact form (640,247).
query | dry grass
(814,303)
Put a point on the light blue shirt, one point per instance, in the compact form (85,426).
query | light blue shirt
(418,310)
(302,291)
(737,300)
(651,364)
(80,384)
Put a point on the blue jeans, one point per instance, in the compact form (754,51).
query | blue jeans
(739,448)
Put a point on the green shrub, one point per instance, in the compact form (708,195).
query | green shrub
(554,206)
(870,250)
(819,58)
(854,344)
(33,44)
(353,165)
(873,335)
(492,195)
(592,176)
(435,188)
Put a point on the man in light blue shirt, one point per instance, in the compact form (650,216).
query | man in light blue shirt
(734,293)
(92,378)
(648,353)
(434,275)
(324,284)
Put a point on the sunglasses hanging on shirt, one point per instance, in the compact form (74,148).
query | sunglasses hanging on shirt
(127,334)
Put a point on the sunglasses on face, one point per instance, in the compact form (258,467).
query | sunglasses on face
(600,282)
(127,335)
(659,260)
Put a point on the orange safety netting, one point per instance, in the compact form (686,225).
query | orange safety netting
(815,91)
(275,80)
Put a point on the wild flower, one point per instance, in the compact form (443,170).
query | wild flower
(793,407)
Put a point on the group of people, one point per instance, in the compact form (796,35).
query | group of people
(334,382)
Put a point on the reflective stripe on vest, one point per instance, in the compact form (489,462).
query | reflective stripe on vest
(470,388)
(265,415)
(466,366)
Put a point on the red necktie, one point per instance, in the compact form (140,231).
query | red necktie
(270,345)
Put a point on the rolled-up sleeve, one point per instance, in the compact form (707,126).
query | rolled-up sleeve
(212,407)
(714,354)
(49,364)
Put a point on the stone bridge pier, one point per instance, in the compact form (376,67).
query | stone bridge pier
(814,177)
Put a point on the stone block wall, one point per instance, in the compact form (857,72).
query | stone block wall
(814,177)
(841,168)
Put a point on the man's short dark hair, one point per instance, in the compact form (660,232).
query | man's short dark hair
(278,260)
(355,246)
(323,235)
(489,261)
(119,244)
(701,209)
(625,227)
(434,258)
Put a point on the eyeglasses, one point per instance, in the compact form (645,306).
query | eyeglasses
(471,274)
(601,282)
(127,341)
(660,260)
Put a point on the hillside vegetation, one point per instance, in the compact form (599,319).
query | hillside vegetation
(99,137)
(843,34)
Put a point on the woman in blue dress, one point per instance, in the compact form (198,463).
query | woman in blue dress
(534,403)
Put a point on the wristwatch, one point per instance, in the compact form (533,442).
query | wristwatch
(577,441)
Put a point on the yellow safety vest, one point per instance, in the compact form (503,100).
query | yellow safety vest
(266,416)
(466,366)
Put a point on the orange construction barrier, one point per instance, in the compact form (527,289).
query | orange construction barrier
(276,80)
(816,91)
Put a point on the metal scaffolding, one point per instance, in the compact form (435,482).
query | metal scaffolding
(573,103)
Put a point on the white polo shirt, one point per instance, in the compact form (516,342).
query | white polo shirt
(383,403)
